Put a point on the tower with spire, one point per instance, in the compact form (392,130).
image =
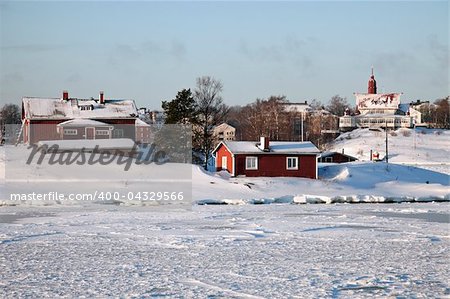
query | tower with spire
(378,110)
(372,84)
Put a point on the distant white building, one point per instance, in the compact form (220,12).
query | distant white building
(224,132)
(379,110)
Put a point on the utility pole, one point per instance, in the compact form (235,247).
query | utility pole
(385,127)
(302,124)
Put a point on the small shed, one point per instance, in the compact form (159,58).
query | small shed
(335,157)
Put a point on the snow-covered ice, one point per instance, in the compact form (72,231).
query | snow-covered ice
(247,251)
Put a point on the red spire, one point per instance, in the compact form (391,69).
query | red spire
(372,85)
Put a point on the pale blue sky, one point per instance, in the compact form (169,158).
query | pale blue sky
(148,51)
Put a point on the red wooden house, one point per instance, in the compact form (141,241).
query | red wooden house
(335,157)
(267,158)
(70,118)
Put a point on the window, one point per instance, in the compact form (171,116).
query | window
(329,159)
(102,132)
(292,163)
(87,107)
(118,133)
(251,163)
(70,131)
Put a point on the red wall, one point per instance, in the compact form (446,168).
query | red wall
(223,151)
(272,165)
(81,133)
(338,158)
(269,165)
(46,129)
(43,130)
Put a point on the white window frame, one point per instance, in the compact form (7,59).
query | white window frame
(102,132)
(71,132)
(292,167)
(118,133)
(329,159)
(251,167)
(224,162)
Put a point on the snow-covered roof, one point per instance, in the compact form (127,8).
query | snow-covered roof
(297,107)
(328,154)
(141,123)
(56,108)
(275,147)
(82,122)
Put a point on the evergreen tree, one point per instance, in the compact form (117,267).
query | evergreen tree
(180,110)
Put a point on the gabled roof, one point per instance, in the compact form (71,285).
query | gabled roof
(81,122)
(275,147)
(56,108)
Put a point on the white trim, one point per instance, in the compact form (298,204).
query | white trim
(296,163)
(256,163)
(232,164)
(116,131)
(224,158)
(102,132)
(217,147)
(317,167)
(70,132)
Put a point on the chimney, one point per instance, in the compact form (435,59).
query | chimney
(65,95)
(264,143)
(102,99)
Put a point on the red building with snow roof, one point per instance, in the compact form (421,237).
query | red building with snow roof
(267,158)
(73,118)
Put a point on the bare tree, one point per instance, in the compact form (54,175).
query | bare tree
(338,105)
(442,113)
(10,114)
(265,117)
(210,111)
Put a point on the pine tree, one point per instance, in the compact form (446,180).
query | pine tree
(180,110)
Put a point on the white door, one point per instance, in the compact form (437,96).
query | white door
(224,162)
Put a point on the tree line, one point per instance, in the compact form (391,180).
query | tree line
(436,114)
(203,108)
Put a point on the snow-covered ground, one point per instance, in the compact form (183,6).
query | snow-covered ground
(363,181)
(247,251)
(125,248)
(425,148)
